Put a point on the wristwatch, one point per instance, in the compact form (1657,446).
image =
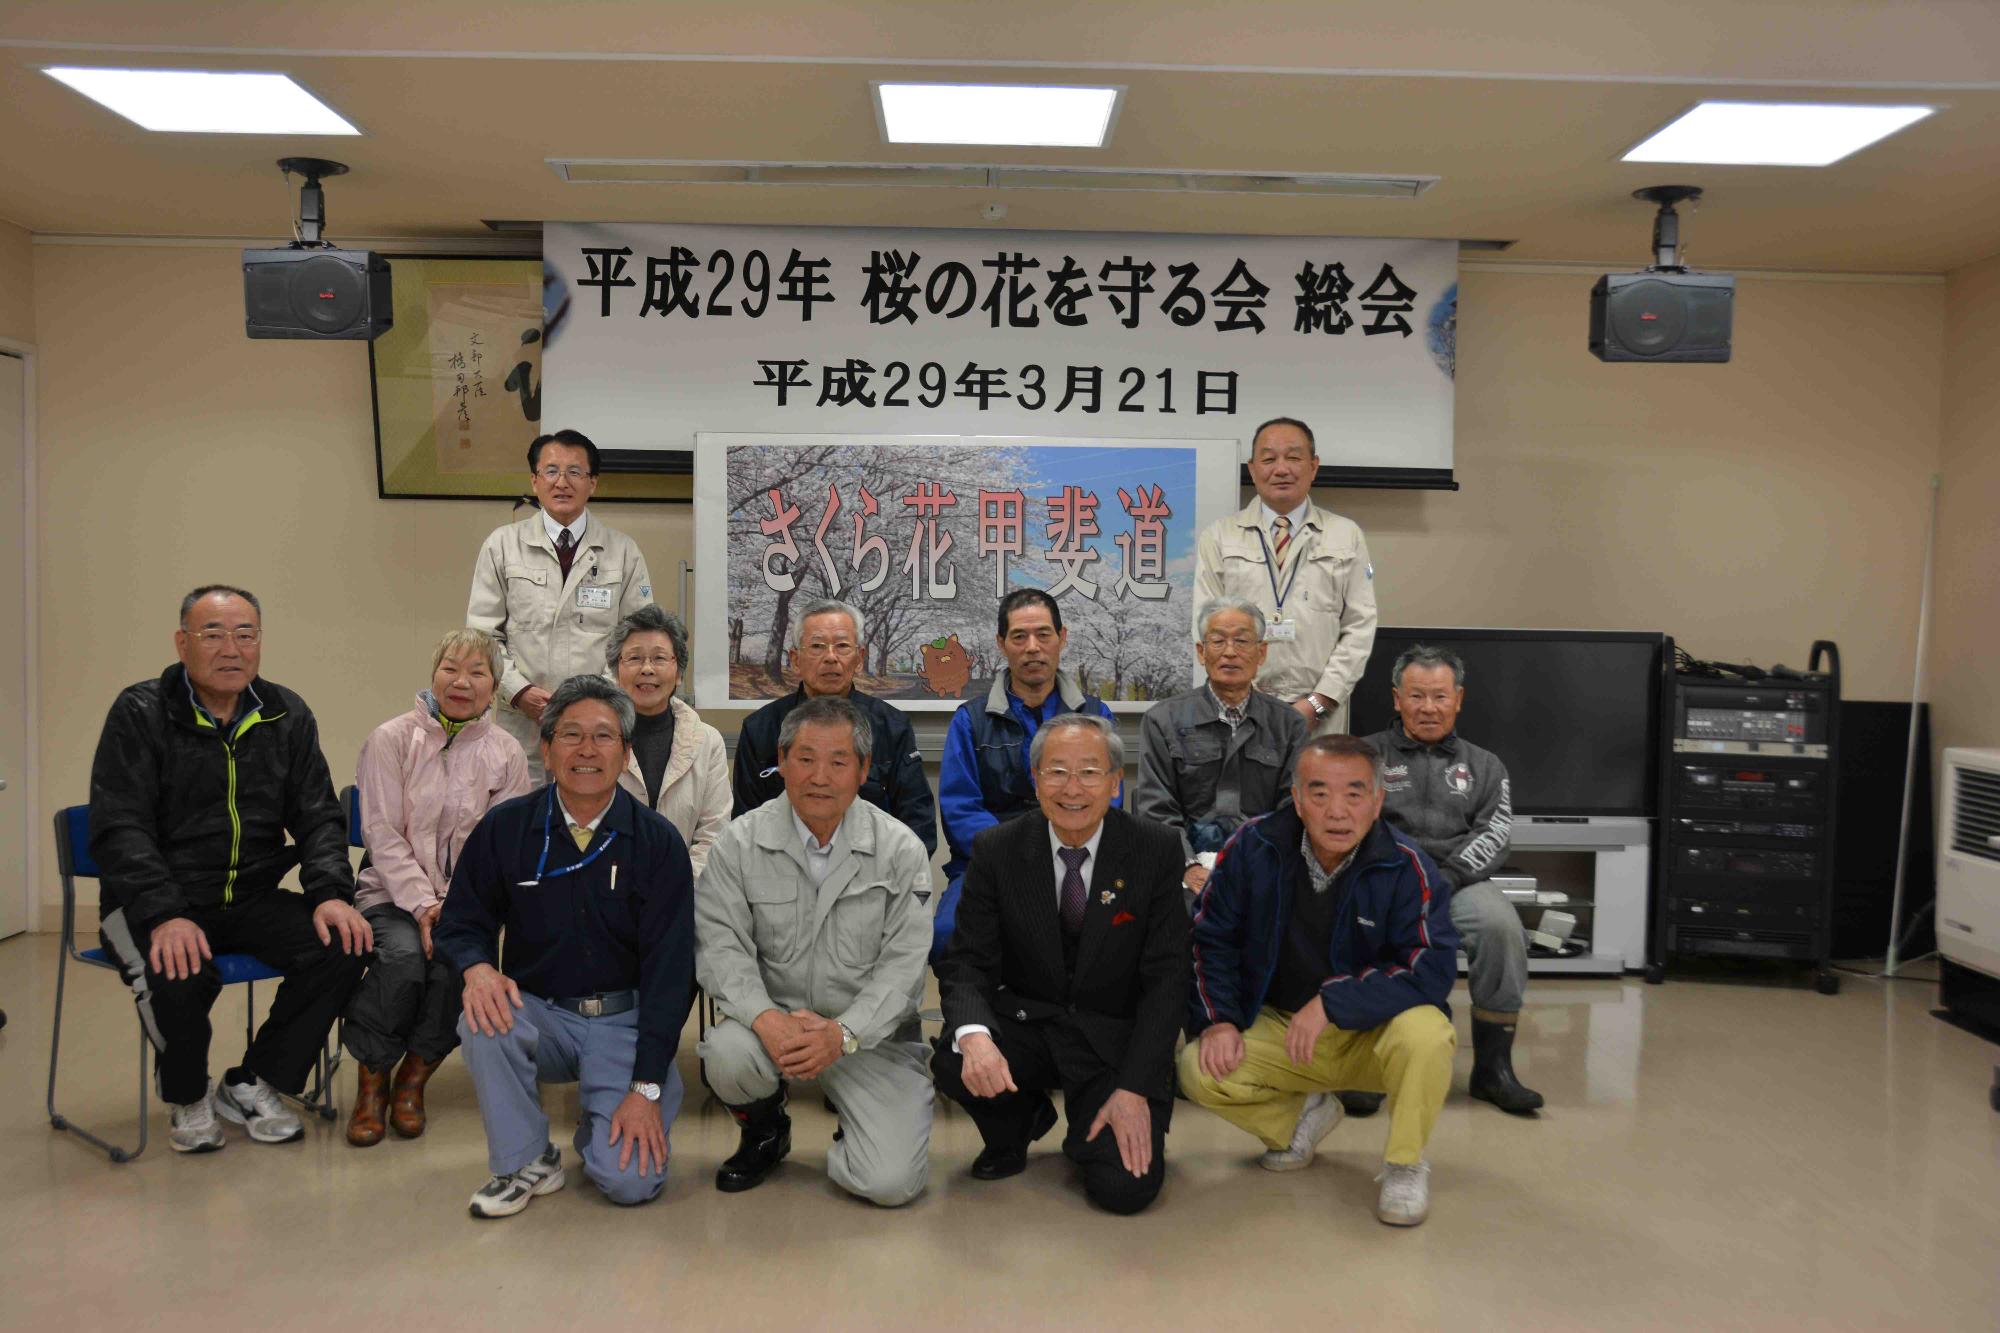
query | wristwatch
(1319,709)
(650,1091)
(849,1043)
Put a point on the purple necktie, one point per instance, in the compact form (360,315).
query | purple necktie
(565,551)
(1072,887)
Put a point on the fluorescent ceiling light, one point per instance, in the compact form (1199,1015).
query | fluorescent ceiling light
(1774,134)
(204,102)
(1019,114)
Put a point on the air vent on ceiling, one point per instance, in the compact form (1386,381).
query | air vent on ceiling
(662,171)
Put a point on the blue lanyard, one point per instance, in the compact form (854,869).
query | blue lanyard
(542,870)
(1271,570)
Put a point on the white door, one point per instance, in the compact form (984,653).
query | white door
(14,704)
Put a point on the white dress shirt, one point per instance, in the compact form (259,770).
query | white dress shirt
(819,859)
(1056,846)
(575,530)
(592,825)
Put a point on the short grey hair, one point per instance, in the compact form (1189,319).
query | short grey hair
(1423,655)
(1338,746)
(648,619)
(1210,610)
(210,589)
(825,606)
(1114,744)
(827,708)
(579,688)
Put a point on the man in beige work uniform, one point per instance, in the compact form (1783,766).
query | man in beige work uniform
(1305,568)
(552,587)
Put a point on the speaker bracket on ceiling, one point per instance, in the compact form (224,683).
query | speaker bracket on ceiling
(1667,223)
(311,226)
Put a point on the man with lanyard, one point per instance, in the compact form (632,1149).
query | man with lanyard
(1307,570)
(596,896)
(552,587)
(985,778)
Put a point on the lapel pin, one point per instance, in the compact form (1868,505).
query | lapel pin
(1108,897)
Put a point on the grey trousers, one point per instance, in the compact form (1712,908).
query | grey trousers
(884,1095)
(1496,944)
(551,1045)
(407,1002)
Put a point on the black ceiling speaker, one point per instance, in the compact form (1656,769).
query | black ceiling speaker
(310,289)
(1664,313)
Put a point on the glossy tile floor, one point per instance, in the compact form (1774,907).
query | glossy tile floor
(1714,1156)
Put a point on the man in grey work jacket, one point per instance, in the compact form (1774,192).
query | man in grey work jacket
(1454,800)
(813,941)
(1223,752)
(552,587)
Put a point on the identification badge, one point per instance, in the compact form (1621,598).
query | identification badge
(593,599)
(1281,631)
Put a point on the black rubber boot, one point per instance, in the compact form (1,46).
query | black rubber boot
(1493,1069)
(767,1138)
(1360,1105)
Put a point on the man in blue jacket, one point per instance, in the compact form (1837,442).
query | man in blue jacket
(985,778)
(1323,956)
(595,897)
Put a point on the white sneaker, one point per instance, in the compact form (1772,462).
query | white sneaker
(194,1127)
(1322,1112)
(504,1196)
(259,1109)
(1406,1194)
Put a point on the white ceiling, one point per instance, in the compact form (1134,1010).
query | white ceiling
(1521,110)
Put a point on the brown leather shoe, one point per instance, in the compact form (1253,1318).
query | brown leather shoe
(406,1112)
(371,1099)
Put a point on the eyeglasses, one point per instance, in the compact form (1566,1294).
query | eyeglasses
(552,473)
(1217,643)
(1088,777)
(574,736)
(213,638)
(821,648)
(658,661)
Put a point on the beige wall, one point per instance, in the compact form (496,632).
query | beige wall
(17,284)
(1745,508)
(1963,684)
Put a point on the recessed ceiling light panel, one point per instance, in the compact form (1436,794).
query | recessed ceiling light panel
(192,101)
(1025,115)
(1774,134)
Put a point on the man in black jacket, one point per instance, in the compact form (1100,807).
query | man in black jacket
(199,776)
(1069,959)
(827,648)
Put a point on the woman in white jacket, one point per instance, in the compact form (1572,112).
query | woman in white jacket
(676,764)
(426,778)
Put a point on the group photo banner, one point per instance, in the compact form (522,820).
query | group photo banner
(663,331)
(923,535)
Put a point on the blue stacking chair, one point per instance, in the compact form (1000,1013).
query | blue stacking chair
(73,862)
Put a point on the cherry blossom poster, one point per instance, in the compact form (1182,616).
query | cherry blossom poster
(924,534)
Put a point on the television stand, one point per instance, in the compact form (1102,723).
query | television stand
(1601,868)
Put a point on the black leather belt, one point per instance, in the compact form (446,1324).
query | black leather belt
(600,1006)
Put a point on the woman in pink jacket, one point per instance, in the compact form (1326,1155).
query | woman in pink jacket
(426,778)
(677,763)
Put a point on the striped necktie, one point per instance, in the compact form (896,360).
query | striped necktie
(1071,904)
(1281,532)
(565,552)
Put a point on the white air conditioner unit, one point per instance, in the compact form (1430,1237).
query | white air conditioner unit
(1968,882)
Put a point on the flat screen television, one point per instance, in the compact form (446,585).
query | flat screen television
(1574,714)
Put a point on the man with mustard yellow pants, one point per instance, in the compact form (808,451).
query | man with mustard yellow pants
(1323,956)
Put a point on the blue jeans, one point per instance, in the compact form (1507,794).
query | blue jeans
(551,1045)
